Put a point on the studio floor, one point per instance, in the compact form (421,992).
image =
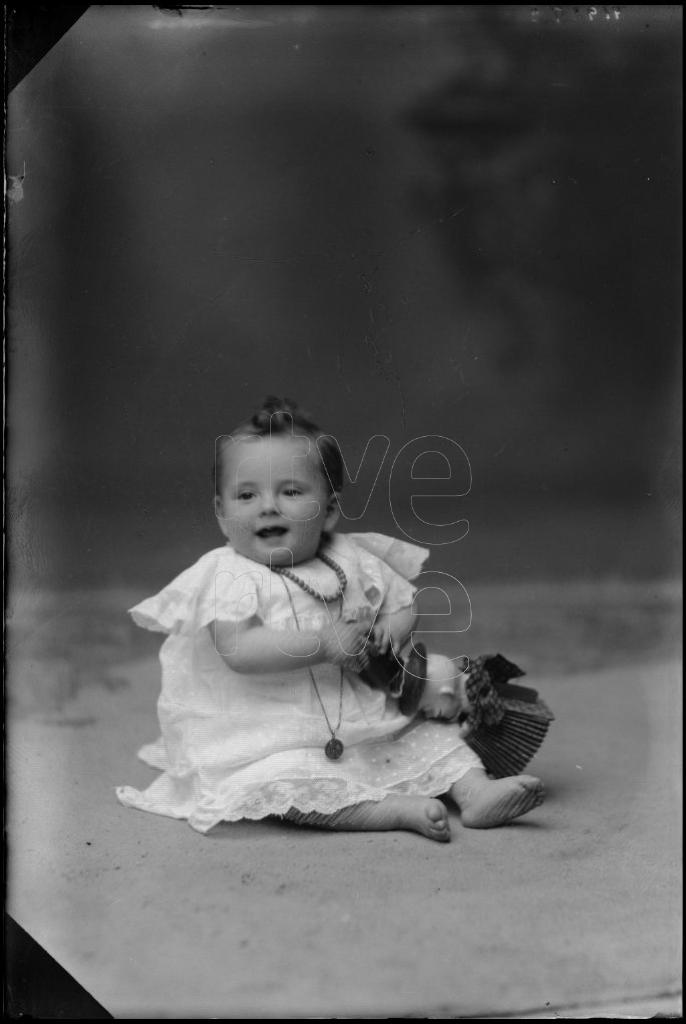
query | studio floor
(573,911)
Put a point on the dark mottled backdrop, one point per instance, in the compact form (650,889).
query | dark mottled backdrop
(454,220)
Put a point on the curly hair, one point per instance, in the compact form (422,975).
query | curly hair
(283,416)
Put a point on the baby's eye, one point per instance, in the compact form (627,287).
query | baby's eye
(245,495)
(292,492)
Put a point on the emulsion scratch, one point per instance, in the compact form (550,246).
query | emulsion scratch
(443,219)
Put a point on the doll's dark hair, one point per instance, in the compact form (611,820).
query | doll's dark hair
(283,416)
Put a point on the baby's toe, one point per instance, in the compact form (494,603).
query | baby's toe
(435,811)
(438,818)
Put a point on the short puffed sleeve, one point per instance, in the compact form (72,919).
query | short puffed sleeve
(387,565)
(220,586)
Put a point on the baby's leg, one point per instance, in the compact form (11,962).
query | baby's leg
(413,813)
(487,803)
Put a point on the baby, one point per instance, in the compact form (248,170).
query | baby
(264,710)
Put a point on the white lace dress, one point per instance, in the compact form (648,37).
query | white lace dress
(238,746)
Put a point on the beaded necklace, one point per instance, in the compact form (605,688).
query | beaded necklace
(342,579)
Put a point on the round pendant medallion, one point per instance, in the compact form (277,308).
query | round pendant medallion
(333,749)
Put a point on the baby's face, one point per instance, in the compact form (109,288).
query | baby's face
(274,503)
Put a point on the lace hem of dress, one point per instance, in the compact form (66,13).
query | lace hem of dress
(322,796)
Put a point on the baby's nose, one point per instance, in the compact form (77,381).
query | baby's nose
(268,505)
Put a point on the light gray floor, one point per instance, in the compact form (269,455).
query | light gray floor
(577,905)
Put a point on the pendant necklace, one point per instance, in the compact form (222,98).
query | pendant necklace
(334,748)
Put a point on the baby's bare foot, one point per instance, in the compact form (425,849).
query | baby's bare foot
(424,815)
(487,803)
(420,814)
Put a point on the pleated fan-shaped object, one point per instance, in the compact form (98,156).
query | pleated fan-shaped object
(509,721)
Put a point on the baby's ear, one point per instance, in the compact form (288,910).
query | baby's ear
(333,512)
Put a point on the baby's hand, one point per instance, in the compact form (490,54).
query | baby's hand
(381,636)
(345,643)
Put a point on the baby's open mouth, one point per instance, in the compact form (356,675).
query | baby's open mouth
(272,531)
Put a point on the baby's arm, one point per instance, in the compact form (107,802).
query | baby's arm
(253,648)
